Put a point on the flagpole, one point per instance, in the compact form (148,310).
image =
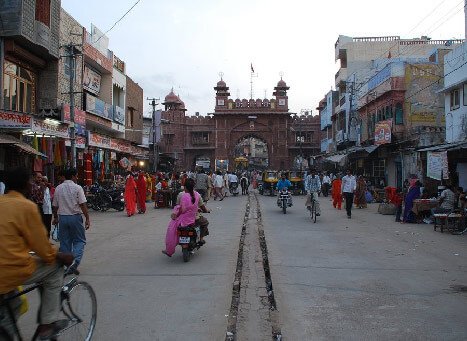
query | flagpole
(252,74)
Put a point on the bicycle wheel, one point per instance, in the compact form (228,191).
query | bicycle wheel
(80,306)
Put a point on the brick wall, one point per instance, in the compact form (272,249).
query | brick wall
(134,102)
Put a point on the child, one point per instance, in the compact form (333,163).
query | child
(397,200)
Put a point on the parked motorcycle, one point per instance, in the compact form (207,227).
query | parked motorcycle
(284,200)
(188,239)
(234,188)
(100,199)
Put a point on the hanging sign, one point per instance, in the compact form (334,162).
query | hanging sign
(91,80)
(383,132)
(80,142)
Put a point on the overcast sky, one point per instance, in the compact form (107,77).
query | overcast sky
(185,44)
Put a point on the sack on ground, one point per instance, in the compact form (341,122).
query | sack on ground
(387,209)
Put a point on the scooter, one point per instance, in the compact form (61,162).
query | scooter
(188,239)
(284,200)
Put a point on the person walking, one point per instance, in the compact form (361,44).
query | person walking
(201,185)
(47,206)
(141,198)
(336,193)
(130,195)
(349,184)
(218,185)
(69,204)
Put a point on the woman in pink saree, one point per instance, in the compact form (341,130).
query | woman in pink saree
(130,195)
(182,215)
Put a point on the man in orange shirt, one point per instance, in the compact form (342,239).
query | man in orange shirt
(22,231)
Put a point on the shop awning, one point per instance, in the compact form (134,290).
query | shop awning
(370,149)
(10,140)
(445,147)
(336,158)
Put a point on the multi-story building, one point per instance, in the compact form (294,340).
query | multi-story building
(134,112)
(360,59)
(263,131)
(29,54)
(326,109)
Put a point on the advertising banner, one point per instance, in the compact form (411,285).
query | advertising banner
(15,120)
(98,107)
(383,132)
(437,165)
(41,127)
(119,115)
(99,141)
(91,80)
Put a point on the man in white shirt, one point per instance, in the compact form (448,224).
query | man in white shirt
(69,203)
(226,184)
(218,184)
(349,184)
(326,184)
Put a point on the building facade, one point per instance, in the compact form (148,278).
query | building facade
(263,131)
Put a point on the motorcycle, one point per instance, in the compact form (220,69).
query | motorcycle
(188,239)
(284,200)
(234,188)
(325,189)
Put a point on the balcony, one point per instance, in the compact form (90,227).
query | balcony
(341,76)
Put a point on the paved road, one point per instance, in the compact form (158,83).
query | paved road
(144,295)
(367,278)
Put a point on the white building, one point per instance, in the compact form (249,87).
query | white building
(455,92)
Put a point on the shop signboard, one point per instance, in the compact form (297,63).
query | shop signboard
(120,146)
(13,120)
(383,132)
(437,165)
(119,115)
(43,128)
(91,80)
(99,141)
(222,165)
(80,142)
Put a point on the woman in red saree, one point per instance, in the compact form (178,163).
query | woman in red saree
(130,195)
(141,195)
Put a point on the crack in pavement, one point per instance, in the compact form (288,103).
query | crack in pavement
(253,311)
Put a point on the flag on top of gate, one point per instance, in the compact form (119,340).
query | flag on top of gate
(252,70)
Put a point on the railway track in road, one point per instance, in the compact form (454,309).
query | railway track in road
(253,312)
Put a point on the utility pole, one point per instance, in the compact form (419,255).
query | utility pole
(71,53)
(155,125)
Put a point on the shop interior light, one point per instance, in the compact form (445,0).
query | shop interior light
(141,163)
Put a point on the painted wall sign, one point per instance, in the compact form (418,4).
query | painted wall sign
(15,120)
(383,132)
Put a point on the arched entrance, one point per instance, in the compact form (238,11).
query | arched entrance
(251,152)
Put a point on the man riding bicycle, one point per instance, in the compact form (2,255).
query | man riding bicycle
(312,187)
(22,231)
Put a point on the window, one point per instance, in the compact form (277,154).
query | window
(43,11)
(129,118)
(18,88)
(399,113)
(200,138)
(304,137)
(455,100)
(379,168)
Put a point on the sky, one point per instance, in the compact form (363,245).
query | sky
(186,44)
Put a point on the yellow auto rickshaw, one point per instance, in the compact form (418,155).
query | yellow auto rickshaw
(296,178)
(269,180)
(241,163)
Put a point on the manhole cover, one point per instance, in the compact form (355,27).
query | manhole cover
(459,288)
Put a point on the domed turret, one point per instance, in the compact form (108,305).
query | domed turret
(171,98)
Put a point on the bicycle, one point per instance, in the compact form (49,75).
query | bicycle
(74,295)
(312,208)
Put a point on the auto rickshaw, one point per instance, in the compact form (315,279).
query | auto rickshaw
(269,180)
(296,178)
